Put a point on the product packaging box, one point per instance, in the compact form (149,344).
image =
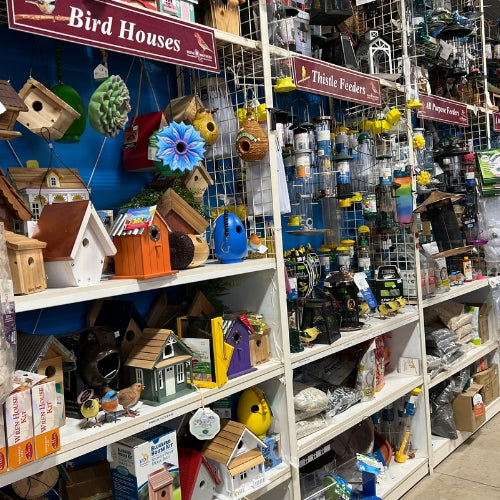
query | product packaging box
(489,380)
(92,482)
(45,418)
(3,447)
(19,429)
(271,453)
(468,409)
(145,466)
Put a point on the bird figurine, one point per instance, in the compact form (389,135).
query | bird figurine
(129,396)
(45,6)
(309,334)
(202,43)
(90,409)
(109,403)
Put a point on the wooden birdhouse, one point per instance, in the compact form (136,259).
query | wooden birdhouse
(180,215)
(13,105)
(45,355)
(237,334)
(235,455)
(162,363)
(198,477)
(142,252)
(47,115)
(260,350)
(13,209)
(160,485)
(26,263)
(77,244)
(197,181)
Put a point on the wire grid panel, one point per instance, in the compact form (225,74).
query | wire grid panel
(240,187)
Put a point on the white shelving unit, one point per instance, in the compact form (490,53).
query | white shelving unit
(259,285)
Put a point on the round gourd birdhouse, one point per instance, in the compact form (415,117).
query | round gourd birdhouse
(253,410)
(204,123)
(252,143)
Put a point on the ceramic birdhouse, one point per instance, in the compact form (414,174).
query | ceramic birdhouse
(47,115)
(197,181)
(251,143)
(206,126)
(13,105)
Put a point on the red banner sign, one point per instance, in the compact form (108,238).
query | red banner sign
(117,27)
(327,79)
(443,110)
(496,122)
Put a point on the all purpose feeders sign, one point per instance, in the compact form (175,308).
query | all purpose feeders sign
(118,27)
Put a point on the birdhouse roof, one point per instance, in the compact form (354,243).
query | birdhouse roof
(117,314)
(197,172)
(119,227)
(435,197)
(10,98)
(223,447)
(20,242)
(33,177)
(160,478)
(11,197)
(192,461)
(147,352)
(64,225)
(32,349)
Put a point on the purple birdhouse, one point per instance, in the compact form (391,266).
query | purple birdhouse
(237,334)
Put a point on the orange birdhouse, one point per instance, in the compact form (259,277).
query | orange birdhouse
(141,252)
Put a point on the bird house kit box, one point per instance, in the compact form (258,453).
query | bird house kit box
(141,239)
(44,399)
(77,244)
(47,115)
(133,459)
(468,409)
(3,446)
(19,429)
(26,263)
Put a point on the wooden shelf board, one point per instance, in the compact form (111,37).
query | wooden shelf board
(456,291)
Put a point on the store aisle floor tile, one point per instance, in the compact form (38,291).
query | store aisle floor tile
(469,472)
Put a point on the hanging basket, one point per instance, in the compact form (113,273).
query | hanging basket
(252,143)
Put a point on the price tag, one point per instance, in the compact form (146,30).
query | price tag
(204,424)
(100,73)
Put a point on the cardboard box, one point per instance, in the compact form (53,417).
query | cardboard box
(137,462)
(19,429)
(3,446)
(45,418)
(489,380)
(468,409)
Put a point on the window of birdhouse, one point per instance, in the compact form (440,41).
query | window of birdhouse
(161,379)
(168,351)
(53,181)
(139,376)
(243,475)
(35,209)
(180,373)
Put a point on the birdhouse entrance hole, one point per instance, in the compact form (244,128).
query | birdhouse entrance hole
(154,233)
(50,371)
(85,242)
(37,106)
(237,337)
(31,261)
(254,409)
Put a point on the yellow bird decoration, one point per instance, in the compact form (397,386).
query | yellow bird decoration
(309,334)
(392,307)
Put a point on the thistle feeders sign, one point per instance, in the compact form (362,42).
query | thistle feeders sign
(319,77)
(118,27)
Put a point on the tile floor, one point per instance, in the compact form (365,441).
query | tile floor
(470,472)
